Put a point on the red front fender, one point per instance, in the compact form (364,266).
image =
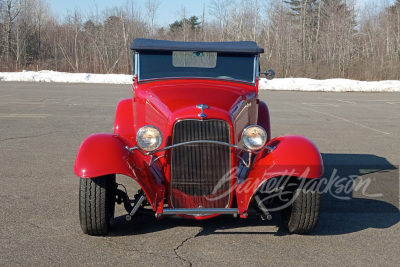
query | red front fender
(104,153)
(294,156)
(101,154)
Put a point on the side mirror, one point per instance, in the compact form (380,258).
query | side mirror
(269,74)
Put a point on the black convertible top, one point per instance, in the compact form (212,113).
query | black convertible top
(140,44)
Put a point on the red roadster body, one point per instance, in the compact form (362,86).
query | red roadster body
(197,139)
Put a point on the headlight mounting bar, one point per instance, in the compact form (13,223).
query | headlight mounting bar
(132,149)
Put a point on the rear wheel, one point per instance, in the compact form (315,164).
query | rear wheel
(302,215)
(97,204)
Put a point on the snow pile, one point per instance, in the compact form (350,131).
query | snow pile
(286,84)
(64,77)
(330,85)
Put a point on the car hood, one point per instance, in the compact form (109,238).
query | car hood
(179,99)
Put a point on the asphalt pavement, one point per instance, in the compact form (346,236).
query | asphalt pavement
(43,124)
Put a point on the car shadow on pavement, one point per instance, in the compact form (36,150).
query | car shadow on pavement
(360,191)
(221,225)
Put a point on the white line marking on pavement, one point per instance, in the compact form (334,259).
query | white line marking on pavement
(11,115)
(69,99)
(376,100)
(32,103)
(320,104)
(344,101)
(63,104)
(343,119)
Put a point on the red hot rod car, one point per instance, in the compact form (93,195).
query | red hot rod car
(197,140)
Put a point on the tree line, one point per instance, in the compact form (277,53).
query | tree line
(302,38)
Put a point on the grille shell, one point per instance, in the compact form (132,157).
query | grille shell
(197,169)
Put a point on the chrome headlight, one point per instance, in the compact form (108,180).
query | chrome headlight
(254,137)
(149,138)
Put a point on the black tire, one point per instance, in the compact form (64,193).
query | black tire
(301,217)
(97,204)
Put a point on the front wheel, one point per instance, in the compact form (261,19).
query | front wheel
(302,215)
(97,204)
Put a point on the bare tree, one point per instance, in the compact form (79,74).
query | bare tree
(152,7)
(302,38)
(12,10)
(220,10)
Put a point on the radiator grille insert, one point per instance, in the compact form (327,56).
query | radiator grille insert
(198,170)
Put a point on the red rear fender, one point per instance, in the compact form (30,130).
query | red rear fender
(123,124)
(263,118)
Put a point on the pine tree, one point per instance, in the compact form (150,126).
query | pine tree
(193,23)
(305,15)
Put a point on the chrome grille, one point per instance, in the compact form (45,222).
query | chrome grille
(197,169)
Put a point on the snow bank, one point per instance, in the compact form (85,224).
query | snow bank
(64,77)
(286,84)
(330,85)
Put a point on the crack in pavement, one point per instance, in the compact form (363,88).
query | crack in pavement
(28,136)
(183,243)
(128,249)
(40,226)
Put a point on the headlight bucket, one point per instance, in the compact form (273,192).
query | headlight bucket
(149,138)
(254,137)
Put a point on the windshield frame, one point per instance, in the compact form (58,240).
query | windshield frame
(140,80)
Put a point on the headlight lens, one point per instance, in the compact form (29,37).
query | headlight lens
(254,137)
(149,138)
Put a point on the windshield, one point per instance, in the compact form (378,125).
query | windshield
(196,64)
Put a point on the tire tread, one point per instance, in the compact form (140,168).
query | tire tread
(305,211)
(95,201)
